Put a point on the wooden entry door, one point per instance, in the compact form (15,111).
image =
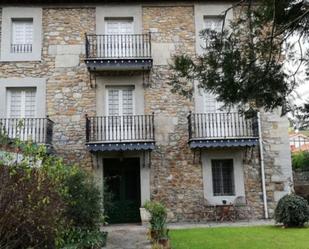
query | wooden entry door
(122,177)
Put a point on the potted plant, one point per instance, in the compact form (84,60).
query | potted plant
(158,231)
(164,239)
(145,216)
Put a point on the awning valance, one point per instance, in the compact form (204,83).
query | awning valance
(94,147)
(214,143)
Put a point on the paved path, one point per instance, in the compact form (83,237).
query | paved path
(127,237)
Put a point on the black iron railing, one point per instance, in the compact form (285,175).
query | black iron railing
(221,125)
(38,130)
(118,46)
(299,143)
(131,128)
(21,48)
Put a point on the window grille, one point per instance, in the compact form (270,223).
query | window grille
(223,177)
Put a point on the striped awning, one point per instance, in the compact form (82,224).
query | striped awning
(215,143)
(137,146)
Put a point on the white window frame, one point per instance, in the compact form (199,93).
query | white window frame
(23,101)
(9,14)
(212,17)
(22,47)
(119,20)
(117,129)
(120,98)
(239,184)
(38,83)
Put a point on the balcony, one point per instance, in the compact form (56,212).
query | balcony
(118,52)
(120,133)
(37,130)
(209,130)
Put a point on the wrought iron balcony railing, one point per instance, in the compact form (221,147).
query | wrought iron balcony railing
(126,46)
(213,126)
(21,48)
(38,130)
(110,129)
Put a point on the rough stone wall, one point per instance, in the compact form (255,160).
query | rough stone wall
(278,169)
(175,178)
(253,181)
(301,183)
(68,95)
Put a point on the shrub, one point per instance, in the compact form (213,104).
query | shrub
(78,238)
(45,203)
(300,160)
(292,211)
(30,208)
(84,211)
(83,200)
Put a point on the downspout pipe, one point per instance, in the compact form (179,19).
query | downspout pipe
(262,166)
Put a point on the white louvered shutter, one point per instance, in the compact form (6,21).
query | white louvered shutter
(118,27)
(120,101)
(120,109)
(119,43)
(213,23)
(21,103)
(22,32)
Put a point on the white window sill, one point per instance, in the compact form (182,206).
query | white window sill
(20,58)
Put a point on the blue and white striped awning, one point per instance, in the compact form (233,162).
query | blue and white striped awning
(215,143)
(95,147)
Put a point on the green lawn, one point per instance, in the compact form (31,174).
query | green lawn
(266,237)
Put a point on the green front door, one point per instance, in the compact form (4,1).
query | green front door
(122,177)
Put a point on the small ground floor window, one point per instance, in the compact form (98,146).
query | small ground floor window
(223,177)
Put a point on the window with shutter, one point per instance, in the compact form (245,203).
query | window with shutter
(119,26)
(21,102)
(213,23)
(22,35)
(120,101)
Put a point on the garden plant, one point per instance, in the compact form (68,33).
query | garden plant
(45,203)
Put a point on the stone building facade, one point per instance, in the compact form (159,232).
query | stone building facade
(67,89)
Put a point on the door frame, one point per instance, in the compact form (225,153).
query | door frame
(145,172)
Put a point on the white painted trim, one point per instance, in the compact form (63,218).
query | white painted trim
(207,156)
(208,9)
(119,11)
(144,172)
(8,13)
(111,81)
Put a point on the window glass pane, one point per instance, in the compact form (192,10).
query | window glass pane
(223,177)
(127,102)
(113,102)
(30,103)
(15,104)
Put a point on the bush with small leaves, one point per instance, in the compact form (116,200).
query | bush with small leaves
(30,208)
(292,210)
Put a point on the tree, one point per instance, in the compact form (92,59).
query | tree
(244,64)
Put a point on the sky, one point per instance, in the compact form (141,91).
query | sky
(301,94)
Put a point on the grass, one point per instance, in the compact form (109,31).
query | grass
(264,237)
